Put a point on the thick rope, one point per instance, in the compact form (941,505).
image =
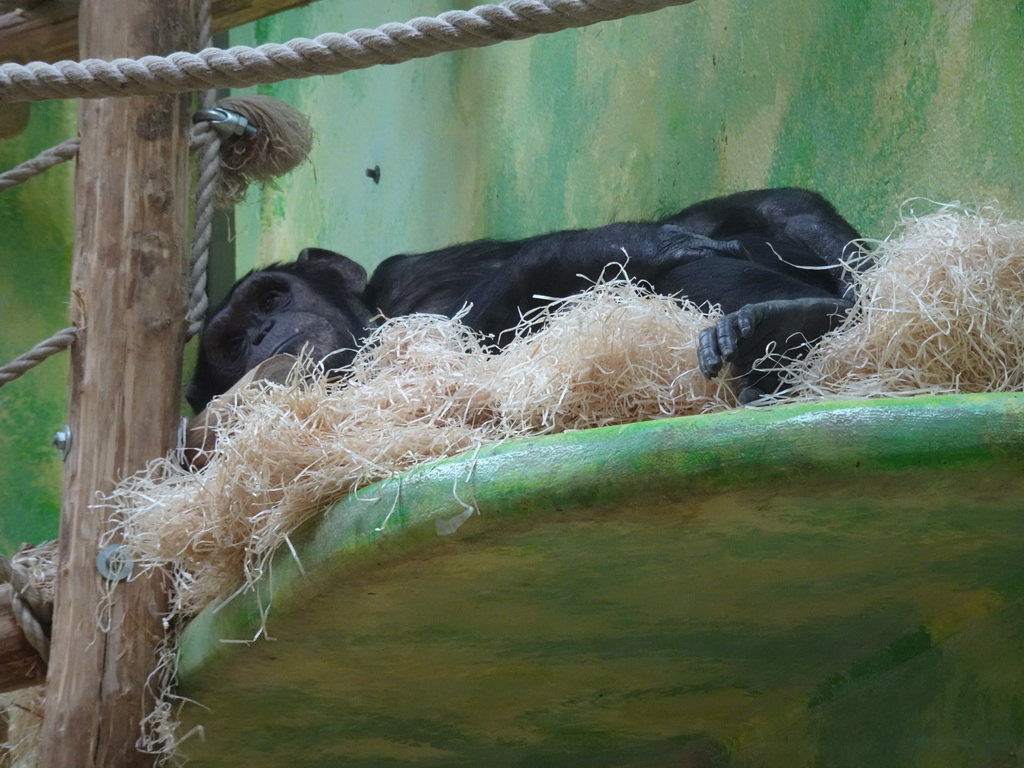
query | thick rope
(44,160)
(32,612)
(208,166)
(327,54)
(206,143)
(67,150)
(44,349)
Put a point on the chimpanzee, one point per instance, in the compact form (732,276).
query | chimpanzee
(775,260)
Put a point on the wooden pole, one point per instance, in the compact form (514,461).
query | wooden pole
(128,298)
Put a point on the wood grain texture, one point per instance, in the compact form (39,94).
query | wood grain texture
(128,297)
(21,665)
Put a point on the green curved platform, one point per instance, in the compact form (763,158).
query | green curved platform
(827,585)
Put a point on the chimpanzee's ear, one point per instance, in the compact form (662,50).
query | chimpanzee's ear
(343,266)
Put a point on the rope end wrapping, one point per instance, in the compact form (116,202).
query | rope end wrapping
(238,141)
(270,139)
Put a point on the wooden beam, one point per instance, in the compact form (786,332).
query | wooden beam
(129,300)
(29,31)
(48,31)
(20,664)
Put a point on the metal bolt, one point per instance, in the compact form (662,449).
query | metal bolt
(62,442)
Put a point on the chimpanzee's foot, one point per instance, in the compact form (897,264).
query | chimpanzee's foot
(765,335)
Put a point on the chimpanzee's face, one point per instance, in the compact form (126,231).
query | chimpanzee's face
(312,306)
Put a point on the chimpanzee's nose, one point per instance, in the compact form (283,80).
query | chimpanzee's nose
(261,334)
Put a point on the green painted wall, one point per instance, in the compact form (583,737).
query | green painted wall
(36,229)
(870,103)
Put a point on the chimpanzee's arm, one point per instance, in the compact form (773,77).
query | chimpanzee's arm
(798,216)
(564,263)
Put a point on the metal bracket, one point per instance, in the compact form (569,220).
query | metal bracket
(114,563)
(228,124)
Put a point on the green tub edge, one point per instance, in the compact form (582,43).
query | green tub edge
(657,460)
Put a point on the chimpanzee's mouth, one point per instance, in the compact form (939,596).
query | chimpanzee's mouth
(280,348)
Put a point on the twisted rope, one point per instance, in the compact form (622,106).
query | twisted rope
(206,144)
(46,159)
(67,150)
(327,54)
(208,166)
(31,610)
(44,349)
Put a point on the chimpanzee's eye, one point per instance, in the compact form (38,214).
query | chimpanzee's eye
(270,300)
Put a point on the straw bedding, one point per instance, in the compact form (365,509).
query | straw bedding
(423,389)
(943,311)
